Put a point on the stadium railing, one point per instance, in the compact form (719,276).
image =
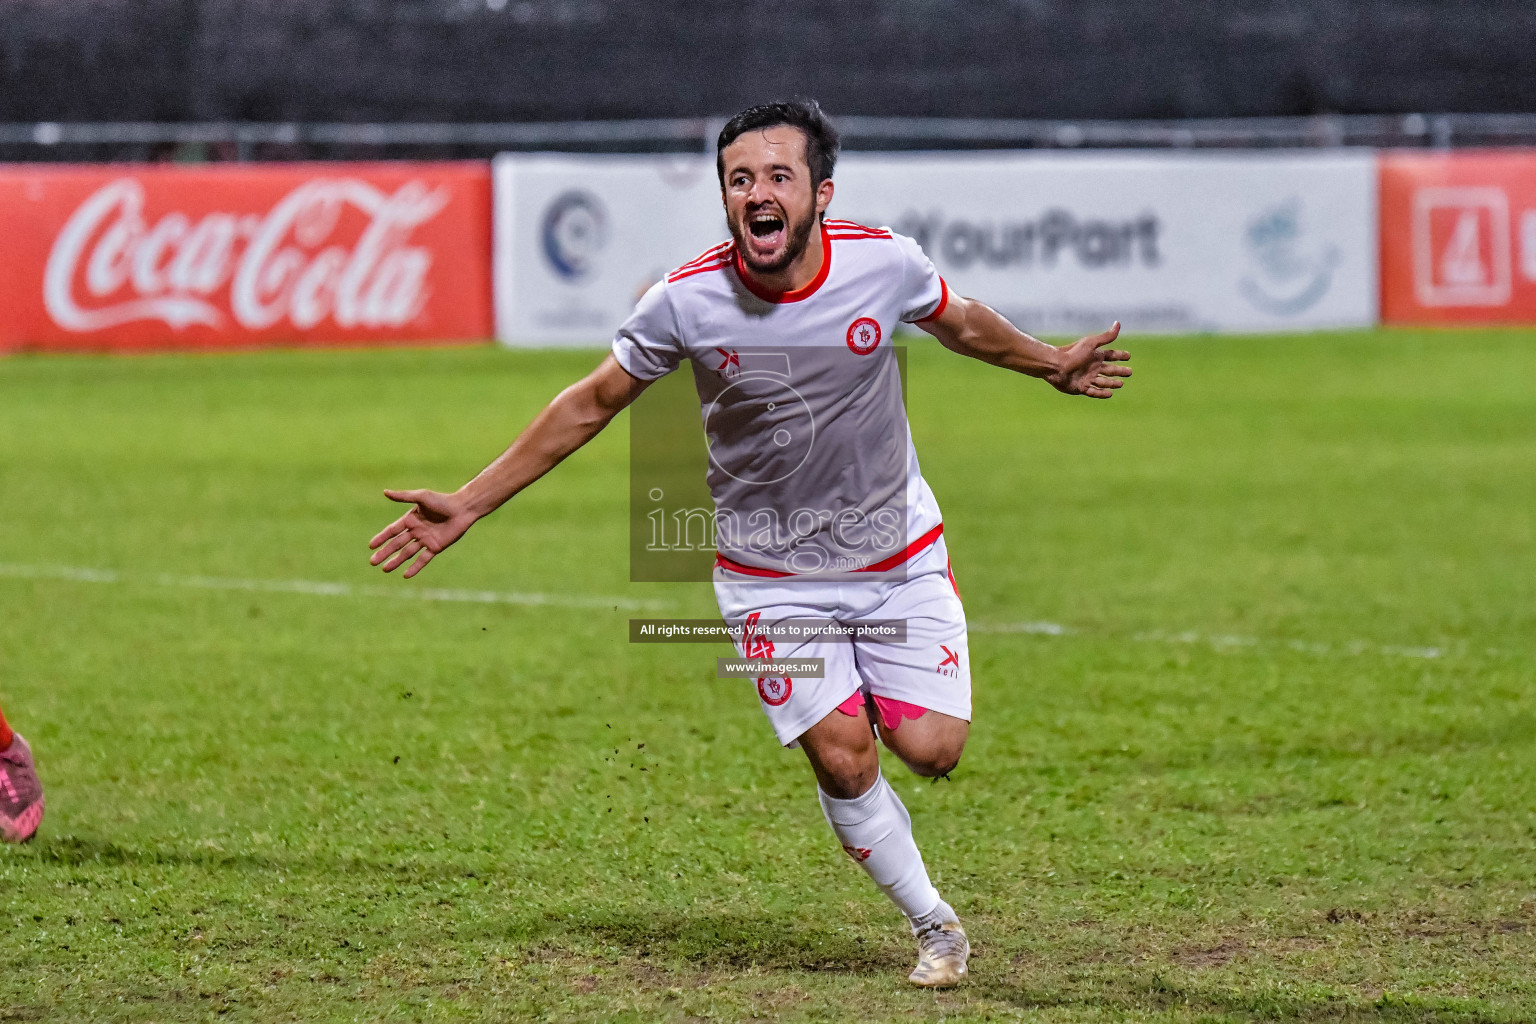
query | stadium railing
(252,140)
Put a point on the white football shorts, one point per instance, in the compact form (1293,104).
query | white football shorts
(931,669)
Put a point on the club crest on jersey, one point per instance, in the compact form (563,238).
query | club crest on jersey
(864,335)
(950,666)
(774,690)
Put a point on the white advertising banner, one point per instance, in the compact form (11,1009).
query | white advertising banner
(1060,243)
(578,239)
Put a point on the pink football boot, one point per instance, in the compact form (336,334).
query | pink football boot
(21,795)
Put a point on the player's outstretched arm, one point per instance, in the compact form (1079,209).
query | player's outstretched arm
(1085,367)
(575,417)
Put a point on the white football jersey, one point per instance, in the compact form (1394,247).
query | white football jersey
(811,463)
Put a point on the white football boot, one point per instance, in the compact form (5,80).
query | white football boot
(942,953)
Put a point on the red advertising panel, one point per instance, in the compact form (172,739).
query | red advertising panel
(140,257)
(1458,237)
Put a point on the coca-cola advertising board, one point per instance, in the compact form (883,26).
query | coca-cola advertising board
(1458,237)
(140,257)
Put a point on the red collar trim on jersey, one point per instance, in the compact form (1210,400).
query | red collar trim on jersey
(797,294)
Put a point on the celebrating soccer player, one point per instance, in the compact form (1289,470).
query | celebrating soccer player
(822,513)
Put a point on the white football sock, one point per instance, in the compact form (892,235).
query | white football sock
(876,831)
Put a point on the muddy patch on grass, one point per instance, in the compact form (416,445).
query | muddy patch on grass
(1339,915)
(1224,952)
(1430,927)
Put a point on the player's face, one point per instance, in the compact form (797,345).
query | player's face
(770,200)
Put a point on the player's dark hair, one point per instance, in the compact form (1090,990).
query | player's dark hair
(820,137)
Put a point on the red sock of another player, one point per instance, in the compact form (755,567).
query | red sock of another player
(5,733)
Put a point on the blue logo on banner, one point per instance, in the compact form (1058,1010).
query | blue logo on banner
(1289,274)
(575,230)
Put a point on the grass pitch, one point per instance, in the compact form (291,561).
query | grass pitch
(1253,647)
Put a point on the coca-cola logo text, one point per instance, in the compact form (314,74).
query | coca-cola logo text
(110,265)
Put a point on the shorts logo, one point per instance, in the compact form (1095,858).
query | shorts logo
(864,336)
(753,643)
(858,853)
(774,691)
(950,666)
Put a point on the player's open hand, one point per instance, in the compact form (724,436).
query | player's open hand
(1089,367)
(436,522)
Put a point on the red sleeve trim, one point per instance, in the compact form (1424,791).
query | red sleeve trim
(836,236)
(939,309)
(678,275)
(712,252)
(834,224)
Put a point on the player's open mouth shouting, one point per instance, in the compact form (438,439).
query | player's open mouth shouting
(767,228)
(769,239)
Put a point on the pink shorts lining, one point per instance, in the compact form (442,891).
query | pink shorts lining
(891,711)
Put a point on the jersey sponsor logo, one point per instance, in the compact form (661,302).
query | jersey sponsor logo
(858,853)
(950,666)
(864,335)
(730,363)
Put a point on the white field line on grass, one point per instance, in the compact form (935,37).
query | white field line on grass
(404,591)
(407,592)
(1227,642)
